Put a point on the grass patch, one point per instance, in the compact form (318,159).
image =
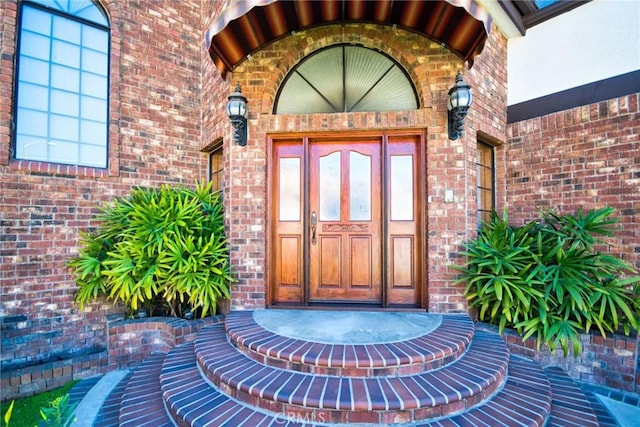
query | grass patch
(26,411)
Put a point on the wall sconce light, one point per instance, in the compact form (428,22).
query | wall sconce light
(238,113)
(457,106)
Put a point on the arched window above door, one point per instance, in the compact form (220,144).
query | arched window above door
(346,78)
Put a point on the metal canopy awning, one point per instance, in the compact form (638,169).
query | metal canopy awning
(246,26)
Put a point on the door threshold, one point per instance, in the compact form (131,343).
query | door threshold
(346,307)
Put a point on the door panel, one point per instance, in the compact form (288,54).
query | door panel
(361,262)
(344,187)
(402,262)
(329,262)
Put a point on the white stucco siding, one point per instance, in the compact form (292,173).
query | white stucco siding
(595,41)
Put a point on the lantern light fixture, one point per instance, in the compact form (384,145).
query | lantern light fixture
(238,113)
(457,106)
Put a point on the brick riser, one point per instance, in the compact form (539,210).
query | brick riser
(472,379)
(432,351)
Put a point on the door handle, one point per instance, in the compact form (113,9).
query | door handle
(314,224)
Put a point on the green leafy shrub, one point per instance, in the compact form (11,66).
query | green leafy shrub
(546,278)
(157,245)
(37,410)
(59,413)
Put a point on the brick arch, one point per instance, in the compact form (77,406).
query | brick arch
(271,65)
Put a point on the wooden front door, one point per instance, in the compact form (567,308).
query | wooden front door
(346,220)
(344,202)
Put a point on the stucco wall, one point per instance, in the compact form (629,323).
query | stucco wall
(593,42)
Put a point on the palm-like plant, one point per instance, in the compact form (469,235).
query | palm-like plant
(167,243)
(546,279)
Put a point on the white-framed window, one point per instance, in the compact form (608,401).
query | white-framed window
(62,83)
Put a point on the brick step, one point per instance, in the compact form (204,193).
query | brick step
(569,406)
(193,401)
(109,414)
(431,351)
(527,398)
(471,379)
(142,403)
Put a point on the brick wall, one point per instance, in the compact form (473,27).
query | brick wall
(155,137)
(611,362)
(132,341)
(583,158)
(450,164)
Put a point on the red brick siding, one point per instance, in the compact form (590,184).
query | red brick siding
(155,137)
(132,341)
(611,362)
(583,158)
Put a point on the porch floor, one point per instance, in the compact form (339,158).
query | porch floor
(303,368)
(347,327)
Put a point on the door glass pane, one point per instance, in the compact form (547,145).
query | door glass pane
(289,207)
(401,188)
(359,187)
(329,182)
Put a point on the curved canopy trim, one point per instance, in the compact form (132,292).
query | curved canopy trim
(247,26)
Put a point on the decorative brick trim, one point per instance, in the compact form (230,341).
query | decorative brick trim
(35,379)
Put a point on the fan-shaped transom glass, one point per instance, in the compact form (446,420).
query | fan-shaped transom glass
(346,78)
(85,9)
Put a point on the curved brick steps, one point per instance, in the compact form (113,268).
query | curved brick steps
(431,351)
(524,400)
(142,403)
(472,378)
(192,401)
(210,382)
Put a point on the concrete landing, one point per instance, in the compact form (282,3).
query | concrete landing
(347,327)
